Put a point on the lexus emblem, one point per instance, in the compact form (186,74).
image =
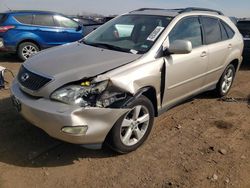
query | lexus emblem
(25,77)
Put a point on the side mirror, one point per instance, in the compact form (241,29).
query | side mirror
(179,47)
(79,28)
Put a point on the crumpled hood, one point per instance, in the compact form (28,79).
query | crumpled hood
(75,61)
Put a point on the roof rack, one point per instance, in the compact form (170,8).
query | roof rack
(143,9)
(182,10)
(190,9)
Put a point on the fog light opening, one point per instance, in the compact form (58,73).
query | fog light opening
(75,130)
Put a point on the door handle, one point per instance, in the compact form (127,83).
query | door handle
(230,46)
(204,54)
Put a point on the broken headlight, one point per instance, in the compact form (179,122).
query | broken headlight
(82,94)
(89,94)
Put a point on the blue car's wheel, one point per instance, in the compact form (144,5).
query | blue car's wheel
(26,50)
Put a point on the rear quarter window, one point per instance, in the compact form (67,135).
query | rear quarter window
(65,22)
(226,31)
(24,19)
(224,34)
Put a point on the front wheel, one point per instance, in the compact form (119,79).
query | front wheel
(26,50)
(226,81)
(133,128)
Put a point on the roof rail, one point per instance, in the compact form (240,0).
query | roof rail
(190,9)
(143,9)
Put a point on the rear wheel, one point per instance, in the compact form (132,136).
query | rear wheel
(226,81)
(26,50)
(132,129)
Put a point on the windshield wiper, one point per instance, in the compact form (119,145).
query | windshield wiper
(106,46)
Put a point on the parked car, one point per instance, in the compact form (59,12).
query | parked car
(244,27)
(27,32)
(108,87)
(89,25)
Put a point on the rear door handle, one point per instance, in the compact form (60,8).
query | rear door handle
(230,46)
(204,54)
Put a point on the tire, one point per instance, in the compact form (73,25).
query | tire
(26,50)
(225,83)
(139,131)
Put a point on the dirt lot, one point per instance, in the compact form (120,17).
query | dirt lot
(202,143)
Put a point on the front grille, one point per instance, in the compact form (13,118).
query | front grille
(31,80)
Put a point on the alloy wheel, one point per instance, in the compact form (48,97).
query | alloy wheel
(227,81)
(28,51)
(134,125)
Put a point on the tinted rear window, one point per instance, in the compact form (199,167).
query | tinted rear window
(25,19)
(44,20)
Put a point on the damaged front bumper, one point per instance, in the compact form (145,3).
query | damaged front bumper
(55,117)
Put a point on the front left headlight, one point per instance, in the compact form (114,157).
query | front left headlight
(75,94)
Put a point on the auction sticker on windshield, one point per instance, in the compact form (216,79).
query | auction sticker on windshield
(153,36)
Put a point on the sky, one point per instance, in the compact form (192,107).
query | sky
(107,7)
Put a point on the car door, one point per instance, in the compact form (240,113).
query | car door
(45,28)
(71,29)
(185,72)
(219,47)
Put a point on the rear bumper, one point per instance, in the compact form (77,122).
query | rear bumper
(5,48)
(53,116)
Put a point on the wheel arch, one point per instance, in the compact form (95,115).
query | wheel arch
(29,40)
(235,63)
(150,93)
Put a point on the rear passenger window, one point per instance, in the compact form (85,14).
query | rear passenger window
(187,29)
(230,32)
(25,19)
(212,30)
(44,20)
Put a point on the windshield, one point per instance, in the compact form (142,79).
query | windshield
(129,33)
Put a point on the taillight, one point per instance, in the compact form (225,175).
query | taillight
(3,29)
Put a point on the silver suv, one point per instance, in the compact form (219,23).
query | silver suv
(109,86)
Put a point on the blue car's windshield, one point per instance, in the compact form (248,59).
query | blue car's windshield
(129,33)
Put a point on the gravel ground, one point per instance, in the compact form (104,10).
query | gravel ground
(204,142)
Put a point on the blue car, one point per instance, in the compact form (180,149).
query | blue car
(27,32)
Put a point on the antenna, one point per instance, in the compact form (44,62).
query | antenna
(7,7)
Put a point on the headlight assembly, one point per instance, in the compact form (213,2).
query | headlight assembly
(76,94)
(88,94)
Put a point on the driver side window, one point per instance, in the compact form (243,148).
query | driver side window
(187,29)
